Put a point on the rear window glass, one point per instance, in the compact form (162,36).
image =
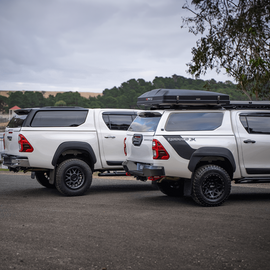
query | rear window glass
(17,121)
(145,124)
(194,121)
(59,118)
(118,121)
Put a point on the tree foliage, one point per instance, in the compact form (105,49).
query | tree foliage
(125,96)
(3,101)
(237,40)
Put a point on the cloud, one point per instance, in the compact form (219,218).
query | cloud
(90,45)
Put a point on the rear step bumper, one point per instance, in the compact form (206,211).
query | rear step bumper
(15,161)
(144,169)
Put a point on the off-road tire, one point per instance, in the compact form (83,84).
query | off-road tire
(73,177)
(171,188)
(211,185)
(43,179)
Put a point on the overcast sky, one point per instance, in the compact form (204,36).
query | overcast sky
(91,45)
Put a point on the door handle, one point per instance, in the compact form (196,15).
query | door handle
(110,137)
(249,141)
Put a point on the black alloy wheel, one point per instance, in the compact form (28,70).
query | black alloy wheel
(211,185)
(73,177)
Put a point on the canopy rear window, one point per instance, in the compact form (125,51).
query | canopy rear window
(17,121)
(145,122)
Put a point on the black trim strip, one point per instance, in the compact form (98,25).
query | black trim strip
(114,163)
(258,170)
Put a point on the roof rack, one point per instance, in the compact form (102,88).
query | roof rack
(248,105)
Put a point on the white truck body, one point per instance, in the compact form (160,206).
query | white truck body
(187,142)
(53,135)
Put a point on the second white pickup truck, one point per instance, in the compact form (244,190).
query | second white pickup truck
(63,146)
(194,143)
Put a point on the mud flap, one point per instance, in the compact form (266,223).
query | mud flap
(187,188)
(52,176)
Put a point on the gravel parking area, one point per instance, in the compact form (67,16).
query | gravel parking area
(126,224)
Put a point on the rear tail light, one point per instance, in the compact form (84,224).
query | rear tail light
(125,146)
(159,152)
(24,145)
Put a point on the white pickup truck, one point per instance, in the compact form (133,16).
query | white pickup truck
(196,142)
(63,146)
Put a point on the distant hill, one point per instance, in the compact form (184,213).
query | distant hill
(46,94)
(121,97)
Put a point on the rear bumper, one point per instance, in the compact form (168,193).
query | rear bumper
(15,161)
(143,170)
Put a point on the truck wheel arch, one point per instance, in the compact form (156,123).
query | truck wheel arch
(74,145)
(219,152)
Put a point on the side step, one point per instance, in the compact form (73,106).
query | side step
(252,180)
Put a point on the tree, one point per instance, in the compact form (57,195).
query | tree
(33,99)
(237,41)
(60,103)
(3,101)
(16,99)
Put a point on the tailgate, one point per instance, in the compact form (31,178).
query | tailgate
(139,146)
(12,132)
(140,136)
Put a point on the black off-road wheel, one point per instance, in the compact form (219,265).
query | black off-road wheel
(43,178)
(73,177)
(211,185)
(171,188)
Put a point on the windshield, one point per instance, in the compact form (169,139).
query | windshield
(145,123)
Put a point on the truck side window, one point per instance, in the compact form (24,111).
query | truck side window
(59,118)
(118,121)
(243,120)
(256,123)
(194,121)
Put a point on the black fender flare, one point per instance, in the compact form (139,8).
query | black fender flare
(74,145)
(210,152)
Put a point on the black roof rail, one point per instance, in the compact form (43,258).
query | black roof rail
(63,107)
(233,105)
(237,105)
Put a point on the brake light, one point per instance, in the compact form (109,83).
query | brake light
(159,152)
(125,146)
(24,145)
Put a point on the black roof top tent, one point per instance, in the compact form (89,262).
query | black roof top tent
(183,98)
(163,97)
